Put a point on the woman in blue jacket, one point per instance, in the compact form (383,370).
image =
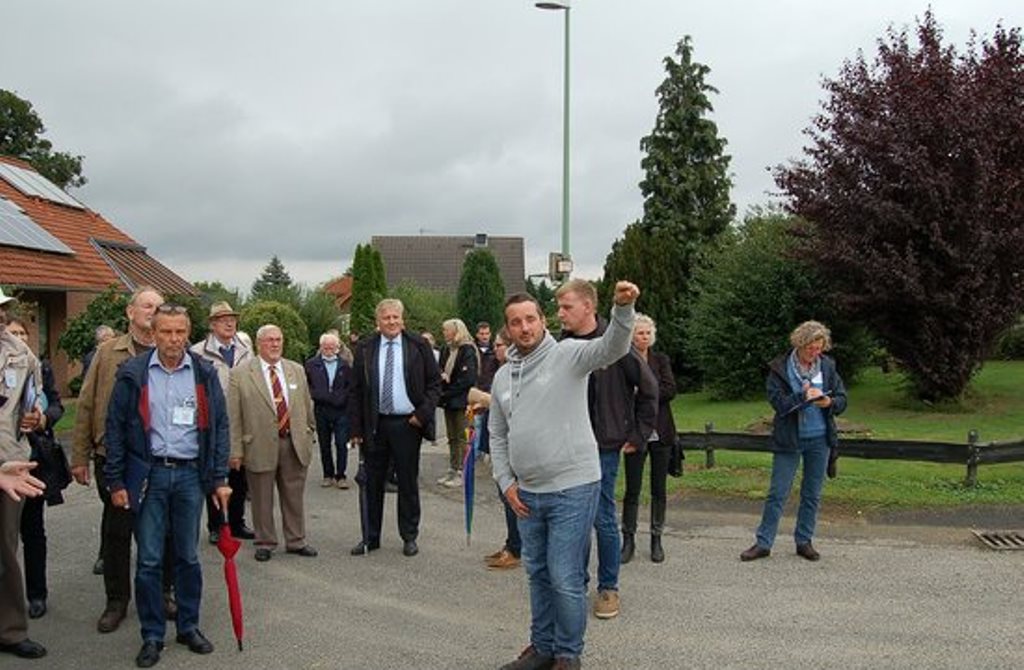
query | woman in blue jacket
(807,394)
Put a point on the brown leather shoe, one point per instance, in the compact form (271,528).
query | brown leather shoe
(504,561)
(807,551)
(111,617)
(755,552)
(530,659)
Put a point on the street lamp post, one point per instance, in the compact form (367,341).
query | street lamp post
(566,256)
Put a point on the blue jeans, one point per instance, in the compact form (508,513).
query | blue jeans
(513,543)
(174,496)
(784,463)
(609,543)
(336,427)
(556,541)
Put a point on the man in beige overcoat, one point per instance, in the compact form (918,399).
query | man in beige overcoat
(272,436)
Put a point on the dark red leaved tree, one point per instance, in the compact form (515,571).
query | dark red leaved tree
(913,187)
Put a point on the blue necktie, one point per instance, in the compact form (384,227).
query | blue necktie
(228,354)
(387,399)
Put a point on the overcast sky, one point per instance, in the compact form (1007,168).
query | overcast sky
(221,132)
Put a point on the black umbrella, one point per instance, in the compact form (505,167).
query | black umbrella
(364,501)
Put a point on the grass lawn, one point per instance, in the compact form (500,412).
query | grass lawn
(994,406)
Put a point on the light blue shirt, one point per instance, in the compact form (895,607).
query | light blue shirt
(398,392)
(172,402)
(332,369)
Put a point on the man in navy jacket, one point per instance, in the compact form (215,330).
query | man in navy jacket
(167,447)
(329,378)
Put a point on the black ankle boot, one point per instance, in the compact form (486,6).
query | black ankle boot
(628,547)
(657,553)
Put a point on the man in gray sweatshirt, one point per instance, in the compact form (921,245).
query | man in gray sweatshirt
(544,458)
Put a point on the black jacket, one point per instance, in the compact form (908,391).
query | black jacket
(661,366)
(329,400)
(464,376)
(623,399)
(422,383)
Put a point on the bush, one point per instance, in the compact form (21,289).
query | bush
(80,334)
(1010,345)
(425,309)
(752,293)
(296,335)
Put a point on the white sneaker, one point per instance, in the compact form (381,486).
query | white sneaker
(443,481)
(455,481)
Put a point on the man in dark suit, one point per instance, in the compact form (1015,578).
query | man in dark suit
(329,377)
(395,387)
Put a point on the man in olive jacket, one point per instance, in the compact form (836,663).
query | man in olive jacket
(89,444)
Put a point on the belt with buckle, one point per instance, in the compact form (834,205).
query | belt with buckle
(168,462)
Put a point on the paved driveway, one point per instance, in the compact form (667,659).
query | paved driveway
(880,598)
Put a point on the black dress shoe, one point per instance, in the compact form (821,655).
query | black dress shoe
(364,548)
(24,649)
(243,532)
(263,554)
(755,552)
(97,567)
(410,548)
(149,655)
(307,551)
(807,551)
(214,536)
(196,642)
(36,608)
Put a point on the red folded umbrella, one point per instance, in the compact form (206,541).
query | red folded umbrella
(229,546)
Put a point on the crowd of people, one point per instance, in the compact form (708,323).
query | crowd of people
(165,427)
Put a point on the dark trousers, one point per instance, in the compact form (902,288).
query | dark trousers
(396,441)
(118,526)
(236,503)
(659,453)
(332,427)
(33,542)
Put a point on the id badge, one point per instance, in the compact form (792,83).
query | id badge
(183,416)
(11,378)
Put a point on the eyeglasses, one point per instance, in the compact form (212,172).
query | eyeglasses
(170,308)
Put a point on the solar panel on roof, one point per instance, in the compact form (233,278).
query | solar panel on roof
(33,183)
(17,230)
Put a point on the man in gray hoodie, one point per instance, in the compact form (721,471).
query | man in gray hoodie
(544,458)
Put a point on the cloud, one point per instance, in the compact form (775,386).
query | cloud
(220,134)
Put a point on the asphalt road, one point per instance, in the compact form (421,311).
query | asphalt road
(881,597)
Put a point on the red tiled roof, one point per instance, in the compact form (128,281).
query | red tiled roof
(341,289)
(87,268)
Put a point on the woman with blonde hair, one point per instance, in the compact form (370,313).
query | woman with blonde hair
(807,393)
(460,364)
(659,446)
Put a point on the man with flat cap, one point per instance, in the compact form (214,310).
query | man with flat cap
(226,347)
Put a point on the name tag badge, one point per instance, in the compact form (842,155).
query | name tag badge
(10,378)
(184,414)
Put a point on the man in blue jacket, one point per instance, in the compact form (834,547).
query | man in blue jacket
(167,445)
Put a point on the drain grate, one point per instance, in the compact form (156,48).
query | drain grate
(1001,539)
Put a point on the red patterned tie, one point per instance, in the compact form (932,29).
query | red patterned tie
(283,422)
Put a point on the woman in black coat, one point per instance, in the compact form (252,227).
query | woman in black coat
(659,446)
(460,364)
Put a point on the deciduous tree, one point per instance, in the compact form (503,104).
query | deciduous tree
(913,185)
